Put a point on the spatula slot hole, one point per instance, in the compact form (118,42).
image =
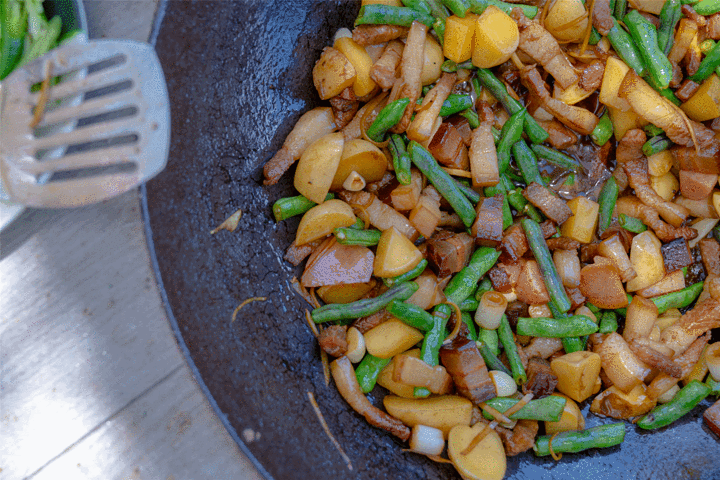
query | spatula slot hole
(104,143)
(76,174)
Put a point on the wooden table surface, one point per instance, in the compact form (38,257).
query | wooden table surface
(92,382)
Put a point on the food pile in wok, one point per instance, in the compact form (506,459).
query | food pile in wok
(509,210)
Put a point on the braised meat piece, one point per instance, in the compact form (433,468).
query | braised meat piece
(541,380)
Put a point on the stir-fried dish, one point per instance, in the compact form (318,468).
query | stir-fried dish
(509,210)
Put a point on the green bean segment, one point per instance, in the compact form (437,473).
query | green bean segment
(548,409)
(411,314)
(407,276)
(684,401)
(365,307)
(368,370)
(557,158)
(631,224)
(376,14)
(572,326)
(572,442)
(465,281)
(508,342)
(607,200)
(353,236)
(388,117)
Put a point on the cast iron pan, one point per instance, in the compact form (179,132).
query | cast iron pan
(239,76)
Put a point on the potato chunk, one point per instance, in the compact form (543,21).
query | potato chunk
(486,461)
(496,38)
(577,373)
(333,73)
(442,412)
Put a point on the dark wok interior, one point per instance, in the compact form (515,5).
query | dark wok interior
(239,76)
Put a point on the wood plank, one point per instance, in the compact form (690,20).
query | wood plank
(169,433)
(77,336)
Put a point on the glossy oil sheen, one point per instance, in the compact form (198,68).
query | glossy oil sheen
(239,76)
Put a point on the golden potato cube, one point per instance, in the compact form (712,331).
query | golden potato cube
(362,62)
(442,412)
(459,37)
(624,120)
(581,226)
(647,260)
(395,254)
(577,373)
(567,20)
(660,163)
(344,292)
(705,103)
(496,38)
(615,70)
(665,185)
(390,338)
(320,220)
(487,461)
(332,73)
(433,59)
(317,166)
(571,419)
(362,157)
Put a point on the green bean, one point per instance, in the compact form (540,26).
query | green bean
(485,286)
(539,247)
(470,324)
(644,34)
(681,404)
(708,65)
(400,158)
(706,45)
(556,158)
(490,357)
(656,144)
(287,207)
(595,37)
(607,199)
(631,224)
(707,7)
(353,236)
(608,323)
(455,103)
(358,225)
(602,131)
(368,370)
(465,281)
(624,46)
(365,307)
(471,116)
(469,304)
(716,232)
(612,8)
(573,326)
(601,436)
(407,276)
(457,7)
(479,6)
(499,189)
(505,335)
(548,409)
(620,7)
(437,9)
(430,349)
(439,28)
(592,307)
(535,132)
(669,17)
(418,5)
(680,299)
(411,315)
(527,163)
(443,182)
(376,14)
(652,131)
(490,339)
(714,386)
(388,117)
(511,133)
(466,190)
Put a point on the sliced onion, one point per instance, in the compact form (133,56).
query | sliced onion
(712,358)
(504,383)
(490,311)
(427,440)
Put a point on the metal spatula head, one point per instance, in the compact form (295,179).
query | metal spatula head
(82,124)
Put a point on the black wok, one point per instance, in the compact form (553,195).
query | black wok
(239,76)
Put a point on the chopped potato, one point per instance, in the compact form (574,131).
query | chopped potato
(582,225)
(395,255)
(567,20)
(442,412)
(577,373)
(317,166)
(459,37)
(390,338)
(486,461)
(360,59)
(705,103)
(615,70)
(647,260)
(496,38)
(333,73)
(320,220)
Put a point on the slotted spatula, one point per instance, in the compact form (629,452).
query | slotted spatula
(103,126)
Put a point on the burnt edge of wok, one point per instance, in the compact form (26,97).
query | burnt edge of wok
(202,186)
